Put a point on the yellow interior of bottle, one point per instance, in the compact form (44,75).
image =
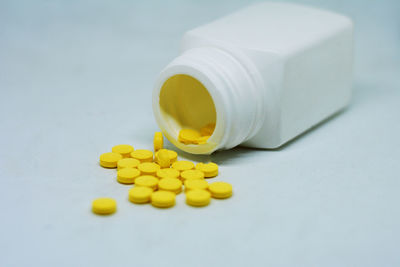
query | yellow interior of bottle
(186,103)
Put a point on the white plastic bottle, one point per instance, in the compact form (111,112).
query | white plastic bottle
(264,74)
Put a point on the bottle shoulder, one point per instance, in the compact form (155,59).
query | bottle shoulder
(278,28)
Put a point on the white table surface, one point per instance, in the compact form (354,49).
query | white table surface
(76,79)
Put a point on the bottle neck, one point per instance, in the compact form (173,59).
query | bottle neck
(234,86)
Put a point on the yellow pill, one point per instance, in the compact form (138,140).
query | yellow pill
(173,156)
(196,184)
(140,194)
(192,175)
(208,129)
(168,173)
(127,175)
(109,160)
(104,206)
(198,198)
(202,140)
(147,181)
(220,190)
(123,150)
(183,165)
(163,158)
(170,184)
(148,168)
(209,169)
(163,199)
(143,155)
(158,141)
(127,163)
(188,136)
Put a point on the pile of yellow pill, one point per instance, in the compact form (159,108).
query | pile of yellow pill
(158,177)
(192,136)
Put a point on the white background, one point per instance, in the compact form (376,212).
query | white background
(76,79)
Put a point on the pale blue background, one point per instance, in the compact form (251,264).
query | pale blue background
(76,78)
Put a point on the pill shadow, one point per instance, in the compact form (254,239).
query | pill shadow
(222,157)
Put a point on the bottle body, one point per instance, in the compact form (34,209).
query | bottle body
(272,71)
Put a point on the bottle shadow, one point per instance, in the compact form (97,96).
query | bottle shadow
(240,153)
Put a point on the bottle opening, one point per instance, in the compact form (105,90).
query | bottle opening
(203,86)
(182,102)
(186,103)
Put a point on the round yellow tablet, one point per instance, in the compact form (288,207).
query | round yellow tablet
(168,173)
(198,198)
(173,156)
(148,168)
(196,184)
(140,194)
(127,175)
(147,181)
(183,165)
(209,169)
(170,184)
(163,158)
(188,136)
(104,206)
(109,159)
(202,140)
(220,190)
(158,141)
(192,175)
(163,199)
(143,155)
(124,150)
(127,163)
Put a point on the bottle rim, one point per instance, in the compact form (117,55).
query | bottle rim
(217,138)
